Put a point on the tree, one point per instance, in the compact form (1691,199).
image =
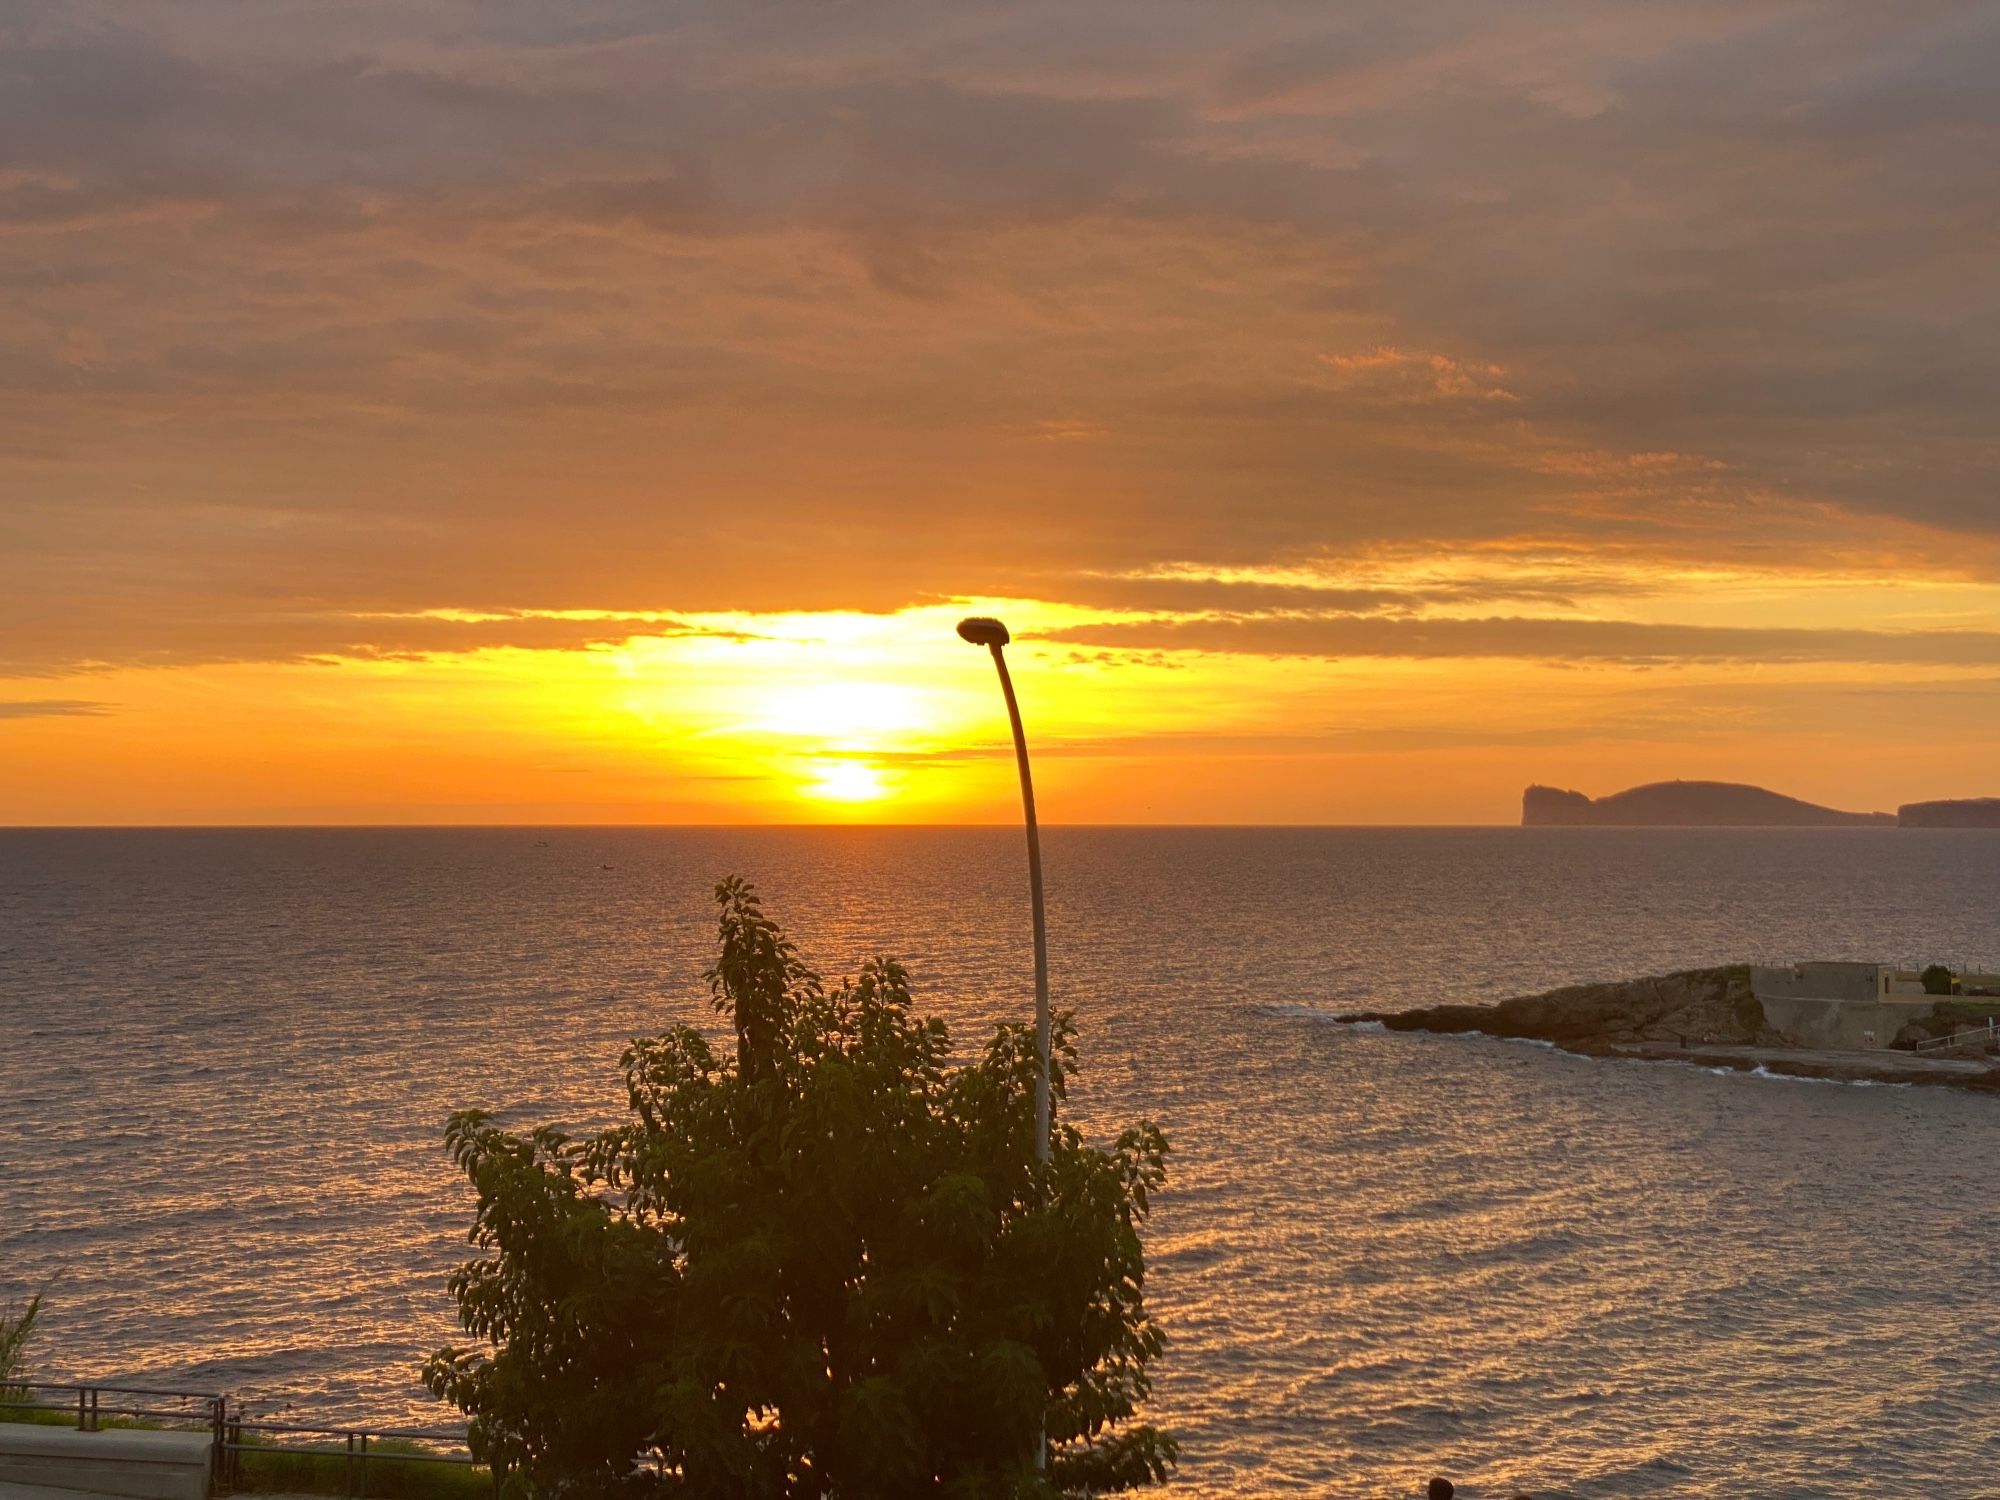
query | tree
(825,1264)
(1937,980)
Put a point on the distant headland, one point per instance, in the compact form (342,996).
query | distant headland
(1686,804)
(1729,804)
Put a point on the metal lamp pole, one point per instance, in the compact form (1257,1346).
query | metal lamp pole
(992,634)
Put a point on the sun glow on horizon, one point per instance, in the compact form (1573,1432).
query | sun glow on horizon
(887,715)
(847,713)
(846,781)
(857,717)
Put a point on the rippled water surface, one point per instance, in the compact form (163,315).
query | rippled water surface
(225,1058)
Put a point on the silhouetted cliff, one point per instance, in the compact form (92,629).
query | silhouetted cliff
(1963,812)
(1684,804)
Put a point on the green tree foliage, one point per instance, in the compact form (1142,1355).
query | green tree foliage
(828,1264)
(1937,980)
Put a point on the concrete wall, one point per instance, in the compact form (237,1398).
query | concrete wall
(119,1461)
(1821,981)
(1841,1025)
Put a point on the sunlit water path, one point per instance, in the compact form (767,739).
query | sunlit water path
(225,1058)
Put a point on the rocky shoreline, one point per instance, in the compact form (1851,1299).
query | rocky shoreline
(1709,1017)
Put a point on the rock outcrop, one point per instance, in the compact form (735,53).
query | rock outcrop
(1963,812)
(1685,804)
(1552,807)
(1697,1006)
(1709,1017)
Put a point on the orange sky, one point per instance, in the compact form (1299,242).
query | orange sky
(578,413)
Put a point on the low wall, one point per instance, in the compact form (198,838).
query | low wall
(141,1464)
(1842,1025)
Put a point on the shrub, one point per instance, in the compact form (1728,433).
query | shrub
(826,1263)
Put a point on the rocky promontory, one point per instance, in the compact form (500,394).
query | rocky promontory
(1959,812)
(1706,1016)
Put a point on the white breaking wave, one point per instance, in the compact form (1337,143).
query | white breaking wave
(1760,1071)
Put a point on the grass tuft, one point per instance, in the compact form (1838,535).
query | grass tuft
(268,1468)
(17,1326)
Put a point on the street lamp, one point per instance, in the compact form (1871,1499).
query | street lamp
(992,634)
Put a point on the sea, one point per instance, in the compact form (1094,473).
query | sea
(226,1059)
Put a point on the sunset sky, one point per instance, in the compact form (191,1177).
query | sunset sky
(521,412)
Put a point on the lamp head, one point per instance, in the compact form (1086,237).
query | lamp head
(982,631)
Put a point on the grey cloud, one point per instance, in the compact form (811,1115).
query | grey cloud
(1537,638)
(51,708)
(575,288)
(286,632)
(1183,595)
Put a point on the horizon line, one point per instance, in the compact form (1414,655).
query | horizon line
(909,827)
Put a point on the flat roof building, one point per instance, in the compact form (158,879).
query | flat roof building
(1845,1006)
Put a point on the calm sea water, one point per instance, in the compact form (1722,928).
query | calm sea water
(225,1058)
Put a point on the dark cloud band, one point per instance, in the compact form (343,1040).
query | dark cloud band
(1536,639)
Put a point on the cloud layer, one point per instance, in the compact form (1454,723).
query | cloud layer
(328,314)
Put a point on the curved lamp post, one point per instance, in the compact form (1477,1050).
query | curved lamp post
(982,631)
(992,634)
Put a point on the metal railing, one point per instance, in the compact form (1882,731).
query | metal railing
(354,1449)
(204,1414)
(357,1449)
(1989,1033)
